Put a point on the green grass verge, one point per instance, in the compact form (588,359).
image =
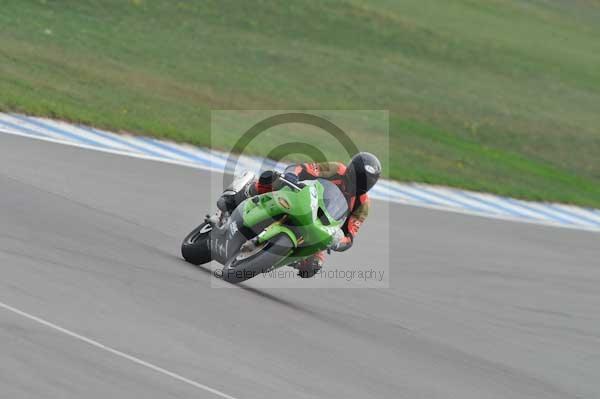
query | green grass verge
(496,95)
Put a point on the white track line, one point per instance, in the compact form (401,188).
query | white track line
(116,352)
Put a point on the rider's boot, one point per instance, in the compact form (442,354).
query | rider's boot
(238,191)
(244,187)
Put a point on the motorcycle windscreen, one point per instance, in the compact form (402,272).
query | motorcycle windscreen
(334,200)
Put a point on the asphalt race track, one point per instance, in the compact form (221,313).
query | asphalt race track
(89,242)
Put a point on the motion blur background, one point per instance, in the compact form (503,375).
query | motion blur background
(496,95)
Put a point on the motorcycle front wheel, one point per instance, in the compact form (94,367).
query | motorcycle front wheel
(244,266)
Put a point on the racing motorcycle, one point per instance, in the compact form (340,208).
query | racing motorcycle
(270,230)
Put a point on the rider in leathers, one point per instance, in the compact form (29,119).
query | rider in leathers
(354,180)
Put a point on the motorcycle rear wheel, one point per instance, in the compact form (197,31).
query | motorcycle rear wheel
(195,248)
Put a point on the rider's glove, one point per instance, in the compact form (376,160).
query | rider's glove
(336,241)
(341,242)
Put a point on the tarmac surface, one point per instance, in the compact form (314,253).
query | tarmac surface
(96,302)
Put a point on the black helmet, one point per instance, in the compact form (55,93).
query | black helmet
(363,171)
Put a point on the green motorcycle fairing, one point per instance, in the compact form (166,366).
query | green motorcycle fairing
(307,221)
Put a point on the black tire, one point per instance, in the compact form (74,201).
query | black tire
(236,271)
(195,249)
